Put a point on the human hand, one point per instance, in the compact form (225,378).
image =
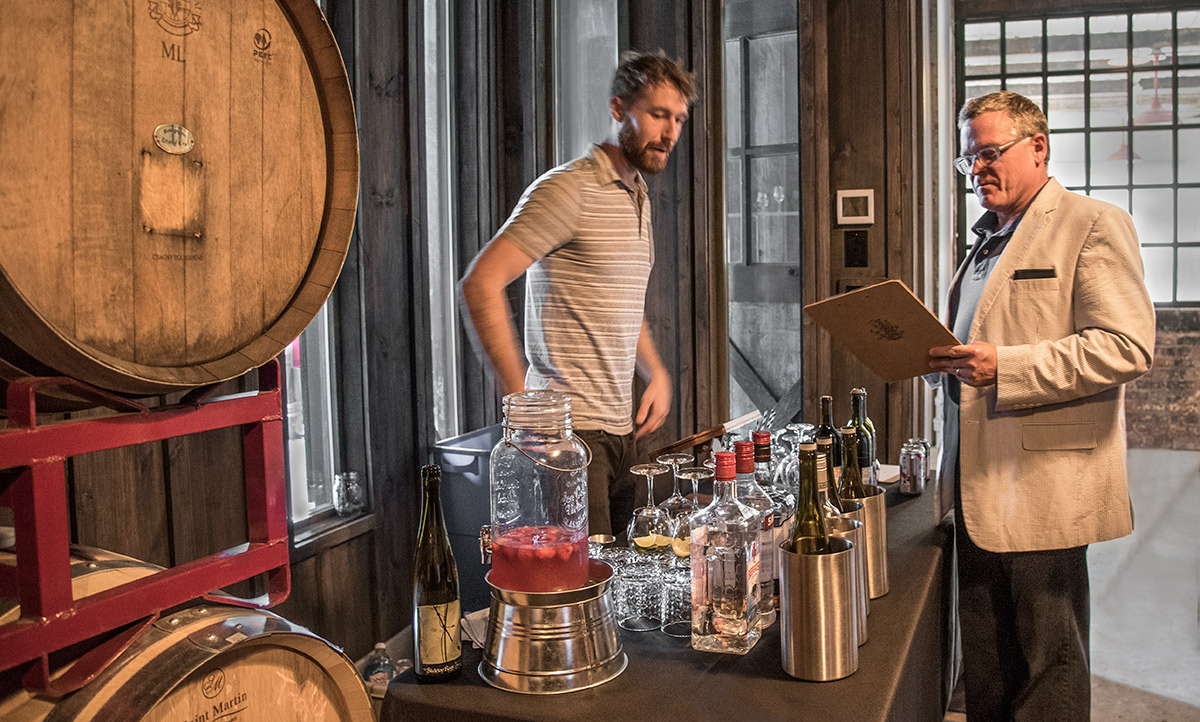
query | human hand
(973,364)
(656,404)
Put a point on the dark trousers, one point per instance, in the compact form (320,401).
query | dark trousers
(1024,619)
(612,490)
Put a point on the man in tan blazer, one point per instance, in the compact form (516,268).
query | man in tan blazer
(1053,308)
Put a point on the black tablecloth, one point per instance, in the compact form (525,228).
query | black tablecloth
(904,671)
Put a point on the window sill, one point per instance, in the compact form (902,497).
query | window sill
(323,533)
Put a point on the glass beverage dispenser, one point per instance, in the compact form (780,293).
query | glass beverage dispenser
(538,535)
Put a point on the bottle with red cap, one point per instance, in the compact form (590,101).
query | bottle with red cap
(726,565)
(755,497)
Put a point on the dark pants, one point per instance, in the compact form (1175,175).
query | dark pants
(612,490)
(1024,619)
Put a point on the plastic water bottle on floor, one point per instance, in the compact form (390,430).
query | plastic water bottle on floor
(379,669)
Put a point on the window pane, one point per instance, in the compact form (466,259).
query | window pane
(1189,274)
(1154,215)
(1189,163)
(734,220)
(1064,38)
(1151,36)
(1189,93)
(1109,99)
(1029,87)
(1064,104)
(1109,41)
(1188,25)
(1067,159)
(981,54)
(1023,47)
(775,227)
(1117,197)
(1109,159)
(976,88)
(1151,102)
(1189,215)
(1160,273)
(1155,157)
(774,90)
(733,93)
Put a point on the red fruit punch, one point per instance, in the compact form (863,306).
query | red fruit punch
(539,559)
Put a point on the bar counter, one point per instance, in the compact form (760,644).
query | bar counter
(904,672)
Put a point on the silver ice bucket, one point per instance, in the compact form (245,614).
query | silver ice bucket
(852,530)
(818,630)
(874,519)
(553,642)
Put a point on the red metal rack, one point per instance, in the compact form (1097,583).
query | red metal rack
(41,580)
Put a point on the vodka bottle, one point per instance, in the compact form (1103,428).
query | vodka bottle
(755,497)
(851,484)
(826,483)
(783,505)
(828,430)
(809,536)
(436,611)
(867,458)
(725,568)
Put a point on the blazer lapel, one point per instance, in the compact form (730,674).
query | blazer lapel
(1028,232)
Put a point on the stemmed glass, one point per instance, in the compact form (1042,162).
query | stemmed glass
(681,532)
(649,531)
(676,503)
(787,471)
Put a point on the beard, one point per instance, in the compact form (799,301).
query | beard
(640,157)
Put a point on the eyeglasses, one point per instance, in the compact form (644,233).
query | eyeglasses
(966,163)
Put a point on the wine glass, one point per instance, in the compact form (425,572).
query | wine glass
(787,471)
(681,531)
(676,503)
(649,531)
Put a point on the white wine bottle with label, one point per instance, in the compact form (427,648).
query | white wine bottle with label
(436,614)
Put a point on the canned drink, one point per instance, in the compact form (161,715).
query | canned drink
(928,457)
(912,469)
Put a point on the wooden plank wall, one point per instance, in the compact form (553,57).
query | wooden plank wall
(872,142)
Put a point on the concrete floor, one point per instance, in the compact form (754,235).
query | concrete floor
(1146,598)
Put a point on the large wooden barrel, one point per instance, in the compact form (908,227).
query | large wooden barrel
(205,662)
(178,184)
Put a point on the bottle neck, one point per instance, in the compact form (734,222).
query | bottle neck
(858,407)
(827,410)
(725,489)
(431,511)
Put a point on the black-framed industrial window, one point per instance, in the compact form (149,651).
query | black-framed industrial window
(1121,91)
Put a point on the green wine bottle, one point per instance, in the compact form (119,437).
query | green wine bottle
(851,485)
(436,612)
(827,430)
(809,535)
(866,435)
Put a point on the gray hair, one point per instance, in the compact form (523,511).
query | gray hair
(1027,118)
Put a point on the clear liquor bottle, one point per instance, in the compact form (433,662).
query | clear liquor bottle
(725,568)
(783,505)
(851,484)
(810,535)
(867,458)
(754,496)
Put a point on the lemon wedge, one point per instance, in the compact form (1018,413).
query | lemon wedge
(651,542)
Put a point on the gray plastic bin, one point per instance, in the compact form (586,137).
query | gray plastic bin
(466,502)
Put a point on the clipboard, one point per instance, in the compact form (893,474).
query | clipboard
(885,326)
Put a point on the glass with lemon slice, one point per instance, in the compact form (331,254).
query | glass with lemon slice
(649,531)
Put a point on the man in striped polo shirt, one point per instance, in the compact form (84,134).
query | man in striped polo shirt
(581,233)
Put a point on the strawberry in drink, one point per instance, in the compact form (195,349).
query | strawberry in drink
(539,559)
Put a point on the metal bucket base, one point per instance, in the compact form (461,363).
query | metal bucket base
(553,683)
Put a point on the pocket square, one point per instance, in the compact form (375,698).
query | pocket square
(1026,273)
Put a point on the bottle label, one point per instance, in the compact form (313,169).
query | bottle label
(438,634)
